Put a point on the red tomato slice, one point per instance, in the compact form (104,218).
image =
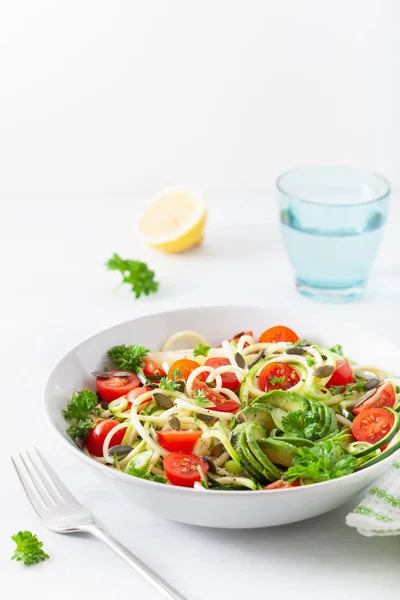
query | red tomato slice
(279,333)
(185,366)
(96,437)
(178,441)
(372,424)
(384,396)
(151,369)
(342,375)
(115,387)
(237,338)
(229,380)
(277,376)
(181,469)
(278,485)
(133,394)
(220,402)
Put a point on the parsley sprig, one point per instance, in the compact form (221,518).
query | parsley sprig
(201,350)
(135,273)
(201,399)
(337,349)
(79,413)
(277,380)
(28,549)
(348,389)
(168,384)
(302,424)
(321,462)
(127,358)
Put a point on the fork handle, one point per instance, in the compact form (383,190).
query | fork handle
(139,566)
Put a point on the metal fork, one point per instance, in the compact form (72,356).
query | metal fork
(62,513)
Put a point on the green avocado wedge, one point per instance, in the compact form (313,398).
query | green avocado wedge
(286,400)
(278,451)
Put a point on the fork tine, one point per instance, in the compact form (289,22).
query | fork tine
(34,498)
(39,473)
(34,481)
(58,484)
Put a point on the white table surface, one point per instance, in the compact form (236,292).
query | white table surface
(55,292)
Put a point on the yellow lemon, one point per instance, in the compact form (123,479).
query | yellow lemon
(174,220)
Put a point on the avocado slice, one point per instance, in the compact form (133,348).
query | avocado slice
(277,415)
(253,438)
(278,451)
(259,413)
(295,441)
(286,400)
(260,474)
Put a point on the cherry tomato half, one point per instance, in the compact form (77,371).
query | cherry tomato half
(181,469)
(115,387)
(372,424)
(384,396)
(220,402)
(277,376)
(342,375)
(96,437)
(133,394)
(151,369)
(185,366)
(279,333)
(229,380)
(178,441)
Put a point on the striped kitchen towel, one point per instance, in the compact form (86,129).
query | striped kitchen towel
(379,512)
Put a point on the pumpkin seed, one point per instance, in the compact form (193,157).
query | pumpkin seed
(103,374)
(257,358)
(121,374)
(80,442)
(241,363)
(210,463)
(174,423)
(104,405)
(180,385)
(162,400)
(297,351)
(365,397)
(206,418)
(121,450)
(218,450)
(371,384)
(323,371)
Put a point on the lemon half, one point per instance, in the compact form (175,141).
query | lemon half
(174,220)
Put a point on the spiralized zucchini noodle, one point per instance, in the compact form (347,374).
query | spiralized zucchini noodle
(243,415)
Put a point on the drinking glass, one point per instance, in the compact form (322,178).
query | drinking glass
(332,220)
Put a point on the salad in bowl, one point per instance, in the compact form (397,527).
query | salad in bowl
(265,411)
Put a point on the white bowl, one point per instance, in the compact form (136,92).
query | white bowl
(236,509)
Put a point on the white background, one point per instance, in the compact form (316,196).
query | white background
(122,96)
(103,103)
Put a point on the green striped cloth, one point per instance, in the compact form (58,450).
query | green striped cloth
(379,512)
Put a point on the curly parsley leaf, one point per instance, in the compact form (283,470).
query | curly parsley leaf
(176,373)
(321,462)
(201,350)
(135,273)
(28,549)
(348,389)
(79,412)
(127,358)
(301,423)
(277,380)
(337,349)
(168,384)
(143,475)
(201,399)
